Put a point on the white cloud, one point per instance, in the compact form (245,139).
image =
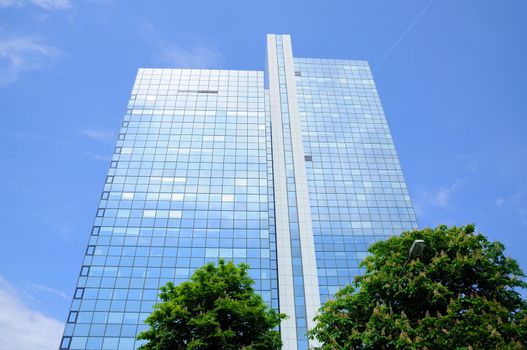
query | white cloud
(9,3)
(429,200)
(24,136)
(52,4)
(441,197)
(23,328)
(21,55)
(97,156)
(38,288)
(193,57)
(515,203)
(45,4)
(198,54)
(98,134)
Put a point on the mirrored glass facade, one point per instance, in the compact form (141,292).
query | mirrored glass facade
(296,180)
(356,188)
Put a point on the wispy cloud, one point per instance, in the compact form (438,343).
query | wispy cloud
(23,328)
(516,203)
(97,156)
(35,287)
(198,54)
(500,202)
(431,199)
(9,3)
(22,55)
(98,134)
(49,5)
(32,137)
(193,57)
(58,226)
(441,197)
(52,4)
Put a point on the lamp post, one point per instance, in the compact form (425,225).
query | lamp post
(416,250)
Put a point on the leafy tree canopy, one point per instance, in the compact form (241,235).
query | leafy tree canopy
(216,309)
(460,294)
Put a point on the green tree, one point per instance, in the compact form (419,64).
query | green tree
(460,294)
(216,309)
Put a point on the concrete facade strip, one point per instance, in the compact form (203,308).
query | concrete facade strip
(285,269)
(311,289)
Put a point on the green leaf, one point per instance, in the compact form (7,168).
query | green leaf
(462,293)
(216,309)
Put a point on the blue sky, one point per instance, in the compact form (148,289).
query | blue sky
(451,75)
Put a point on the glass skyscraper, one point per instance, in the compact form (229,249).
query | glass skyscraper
(292,171)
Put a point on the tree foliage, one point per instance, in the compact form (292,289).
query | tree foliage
(460,294)
(216,309)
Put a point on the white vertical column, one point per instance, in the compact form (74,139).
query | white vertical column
(309,264)
(283,241)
